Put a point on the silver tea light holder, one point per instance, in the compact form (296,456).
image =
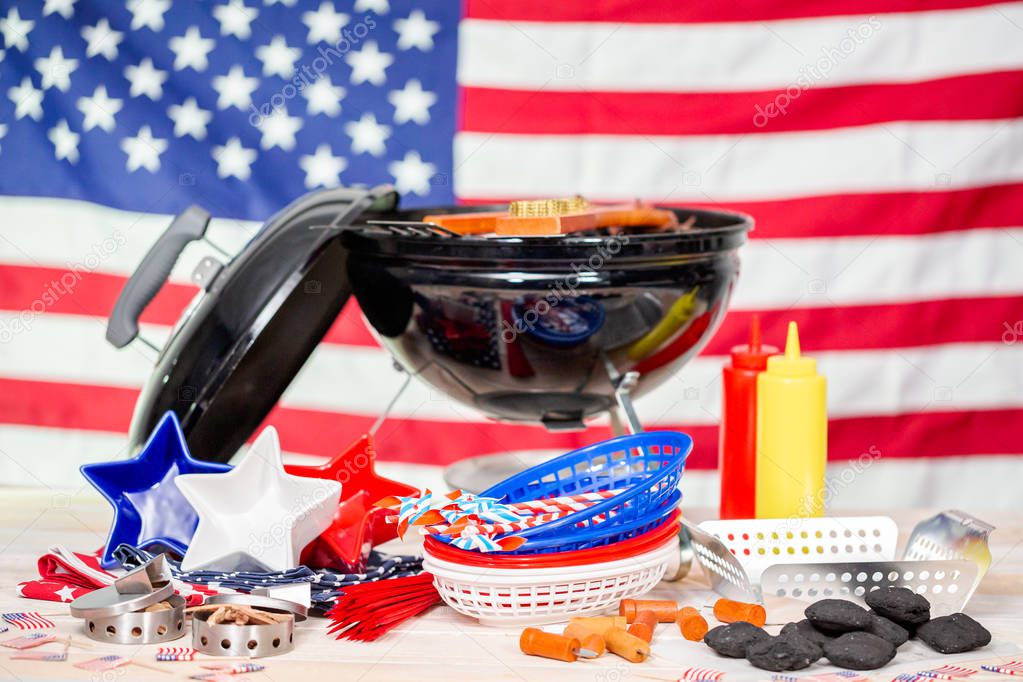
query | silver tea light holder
(251,640)
(138,608)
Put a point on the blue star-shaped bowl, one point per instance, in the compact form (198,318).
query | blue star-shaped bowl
(149,510)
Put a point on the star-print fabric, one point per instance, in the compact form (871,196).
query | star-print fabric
(65,575)
(326,585)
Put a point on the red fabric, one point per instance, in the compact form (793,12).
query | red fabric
(65,575)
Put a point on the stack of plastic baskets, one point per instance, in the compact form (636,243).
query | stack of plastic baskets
(587,561)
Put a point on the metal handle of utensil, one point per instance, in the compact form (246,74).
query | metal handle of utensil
(623,385)
(149,277)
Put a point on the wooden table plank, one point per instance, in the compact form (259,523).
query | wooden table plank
(441,645)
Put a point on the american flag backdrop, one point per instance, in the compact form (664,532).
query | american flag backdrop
(877,143)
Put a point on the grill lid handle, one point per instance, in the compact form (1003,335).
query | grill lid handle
(152,272)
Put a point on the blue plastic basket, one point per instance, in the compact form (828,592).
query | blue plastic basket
(648,465)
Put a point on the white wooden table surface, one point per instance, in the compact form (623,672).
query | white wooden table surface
(442,645)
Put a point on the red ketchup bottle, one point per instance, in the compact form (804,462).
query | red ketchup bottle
(737,445)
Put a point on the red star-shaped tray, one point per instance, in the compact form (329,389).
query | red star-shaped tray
(357,526)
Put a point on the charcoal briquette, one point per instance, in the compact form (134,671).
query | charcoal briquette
(733,639)
(806,629)
(835,616)
(787,651)
(900,605)
(887,629)
(859,651)
(954,634)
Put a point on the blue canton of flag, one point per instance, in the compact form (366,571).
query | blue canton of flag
(237,105)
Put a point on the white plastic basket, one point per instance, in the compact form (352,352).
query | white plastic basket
(532,596)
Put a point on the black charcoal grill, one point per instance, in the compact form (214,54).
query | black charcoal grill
(548,330)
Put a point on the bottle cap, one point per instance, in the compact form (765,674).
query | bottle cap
(754,355)
(684,306)
(792,364)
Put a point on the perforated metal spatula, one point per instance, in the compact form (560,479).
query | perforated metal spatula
(952,534)
(845,557)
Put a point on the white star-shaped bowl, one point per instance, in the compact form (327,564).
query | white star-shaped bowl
(256,517)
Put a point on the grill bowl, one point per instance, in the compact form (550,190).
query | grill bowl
(524,328)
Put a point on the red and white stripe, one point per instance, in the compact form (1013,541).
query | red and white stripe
(878,188)
(565,503)
(29,641)
(888,226)
(234,668)
(709,674)
(65,575)
(841,676)
(496,528)
(1010,668)
(103,663)
(28,620)
(175,653)
(49,656)
(948,672)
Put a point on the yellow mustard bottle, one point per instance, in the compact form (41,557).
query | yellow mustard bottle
(792,435)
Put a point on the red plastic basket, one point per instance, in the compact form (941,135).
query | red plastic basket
(579,557)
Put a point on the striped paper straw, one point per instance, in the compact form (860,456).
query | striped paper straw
(498,528)
(566,502)
(555,505)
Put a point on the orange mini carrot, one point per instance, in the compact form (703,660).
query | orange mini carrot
(629,647)
(665,609)
(691,624)
(728,611)
(600,624)
(587,638)
(548,645)
(643,625)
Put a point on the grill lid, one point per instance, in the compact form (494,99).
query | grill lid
(258,319)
